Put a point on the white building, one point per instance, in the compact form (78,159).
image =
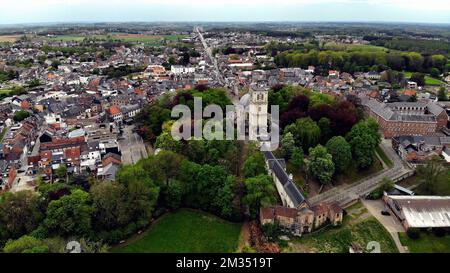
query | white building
(180,70)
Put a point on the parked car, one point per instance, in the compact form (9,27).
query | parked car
(385,213)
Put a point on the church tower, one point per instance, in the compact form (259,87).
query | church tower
(258,112)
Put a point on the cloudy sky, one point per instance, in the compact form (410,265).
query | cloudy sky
(37,11)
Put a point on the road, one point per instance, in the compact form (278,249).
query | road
(348,193)
(231,88)
(208,51)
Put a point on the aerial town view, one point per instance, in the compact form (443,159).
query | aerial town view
(175,132)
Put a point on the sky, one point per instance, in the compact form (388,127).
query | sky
(49,11)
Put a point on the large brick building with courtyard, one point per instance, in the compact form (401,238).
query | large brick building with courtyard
(406,118)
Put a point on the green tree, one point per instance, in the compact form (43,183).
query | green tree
(26,244)
(19,214)
(435,73)
(320,164)
(341,152)
(306,133)
(259,192)
(110,205)
(298,158)
(364,139)
(419,78)
(70,215)
(21,115)
(325,129)
(432,174)
(287,144)
(174,194)
(61,171)
(166,142)
(442,94)
(254,165)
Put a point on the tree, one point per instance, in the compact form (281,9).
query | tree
(70,215)
(287,144)
(298,158)
(341,152)
(166,142)
(26,244)
(320,164)
(21,115)
(442,94)
(174,194)
(419,78)
(19,214)
(110,205)
(432,174)
(254,165)
(306,133)
(325,129)
(61,172)
(434,72)
(364,139)
(259,192)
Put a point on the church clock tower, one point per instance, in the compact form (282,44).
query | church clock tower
(258,112)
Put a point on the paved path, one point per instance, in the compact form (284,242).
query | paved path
(390,222)
(348,193)
(132,147)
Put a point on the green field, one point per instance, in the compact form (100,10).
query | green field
(428,80)
(186,231)
(149,40)
(339,239)
(354,47)
(5,91)
(427,243)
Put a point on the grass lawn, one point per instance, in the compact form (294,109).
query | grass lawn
(186,231)
(339,239)
(428,80)
(384,157)
(427,243)
(5,91)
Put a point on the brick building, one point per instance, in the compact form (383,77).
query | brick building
(406,118)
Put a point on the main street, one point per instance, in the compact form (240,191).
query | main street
(232,89)
(348,193)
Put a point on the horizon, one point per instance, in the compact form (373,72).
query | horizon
(20,12)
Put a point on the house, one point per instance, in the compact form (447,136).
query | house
(304,220)
(416,149)
(411,85)
(420,211)
(116,114)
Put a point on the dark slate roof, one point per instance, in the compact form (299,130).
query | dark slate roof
(291,189)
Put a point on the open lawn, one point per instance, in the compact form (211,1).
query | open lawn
(339,239)
(5,91)
(428,80)
(427,243)
(186,231)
